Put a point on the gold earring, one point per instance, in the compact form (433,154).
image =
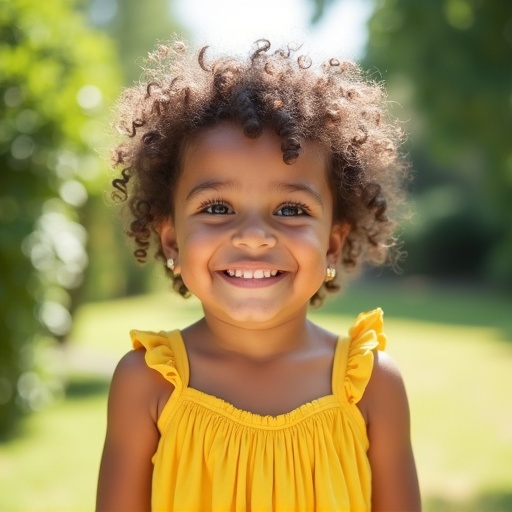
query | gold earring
(330,274)
(170,264)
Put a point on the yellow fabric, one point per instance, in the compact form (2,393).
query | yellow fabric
(215,457)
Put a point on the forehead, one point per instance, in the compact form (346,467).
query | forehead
(226,150)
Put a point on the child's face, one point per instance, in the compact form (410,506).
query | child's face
(252,236)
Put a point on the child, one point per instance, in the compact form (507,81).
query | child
(259,181)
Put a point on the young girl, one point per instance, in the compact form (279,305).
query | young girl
(259,181)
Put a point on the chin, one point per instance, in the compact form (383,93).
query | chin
(252,318)
(257,316)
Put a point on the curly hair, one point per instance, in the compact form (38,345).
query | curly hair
(335,105)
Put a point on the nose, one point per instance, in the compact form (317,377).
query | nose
(253,232)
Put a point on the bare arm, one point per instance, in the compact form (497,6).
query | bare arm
(132,437)
(394,479)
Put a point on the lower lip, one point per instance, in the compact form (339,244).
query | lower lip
(252,283)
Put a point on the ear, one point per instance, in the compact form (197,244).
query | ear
(169,243)
(339,232)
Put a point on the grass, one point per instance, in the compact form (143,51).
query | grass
(454,349)
(52,465)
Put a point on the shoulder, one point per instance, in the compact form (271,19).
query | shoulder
(385,374)
(140,385)
(133,363)
(385,393)
(132,373)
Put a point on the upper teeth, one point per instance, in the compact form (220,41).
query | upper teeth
(251,274)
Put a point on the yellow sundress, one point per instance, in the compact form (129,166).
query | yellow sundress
(213,456)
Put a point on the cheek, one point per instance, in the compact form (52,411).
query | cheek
(197,244)
(314,239)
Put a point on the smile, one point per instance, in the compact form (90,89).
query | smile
(252,274)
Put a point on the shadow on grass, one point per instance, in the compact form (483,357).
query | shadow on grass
(495,501)
(425,300)
(85,386)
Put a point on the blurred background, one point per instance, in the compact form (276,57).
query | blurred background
(69,290)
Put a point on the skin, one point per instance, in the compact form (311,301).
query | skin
(240,208)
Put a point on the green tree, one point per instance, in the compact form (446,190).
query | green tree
(134,27)
(449,63)
(319,8)
(56,77)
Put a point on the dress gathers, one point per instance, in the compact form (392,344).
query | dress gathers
(213,456)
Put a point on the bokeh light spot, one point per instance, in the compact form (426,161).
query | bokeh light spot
(89,97)
(27,121)
(74,193)
(459,14)
(56,317)
(22,147)
(13,96)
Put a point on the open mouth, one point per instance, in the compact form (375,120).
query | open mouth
(252,274)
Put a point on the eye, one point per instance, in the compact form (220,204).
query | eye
(292,210)
(216,208)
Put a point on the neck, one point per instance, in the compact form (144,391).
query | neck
(213,335)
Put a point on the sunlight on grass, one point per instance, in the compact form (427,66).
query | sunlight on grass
(458,379)
(53,466)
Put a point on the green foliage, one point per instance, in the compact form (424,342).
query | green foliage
(55,76)
(319,7)
(135,27)
(449,64)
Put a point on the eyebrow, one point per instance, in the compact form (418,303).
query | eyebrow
(216,185)
(301,187)
(213,185)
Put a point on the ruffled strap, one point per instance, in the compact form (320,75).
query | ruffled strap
(365,337)
(163,351)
